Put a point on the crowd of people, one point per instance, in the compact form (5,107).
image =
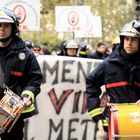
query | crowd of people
(83,49)
(118,71)
(71,47)
(37,49)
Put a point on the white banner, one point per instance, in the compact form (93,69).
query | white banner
(27,10)
(62,102)
(94,30)
(72,18)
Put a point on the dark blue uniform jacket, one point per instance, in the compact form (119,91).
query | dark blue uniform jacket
(21,70)
(120,74)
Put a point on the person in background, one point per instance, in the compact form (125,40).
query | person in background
(44,51)
(20,71)
(119,73)
(70,48)
(83,49)
(62,48)
(115,42)
(29,44)
(36,49)
(100,52)
(107,52)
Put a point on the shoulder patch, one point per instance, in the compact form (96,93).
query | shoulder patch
(22,56)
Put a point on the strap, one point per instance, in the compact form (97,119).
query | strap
(2,81)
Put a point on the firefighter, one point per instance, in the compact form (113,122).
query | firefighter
(69,48)
(119,73)
(83,50)
(19,71)
(115,42)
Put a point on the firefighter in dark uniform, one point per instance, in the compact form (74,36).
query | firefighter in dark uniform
(119,73)
(83,49)
(19,69)
(69,48)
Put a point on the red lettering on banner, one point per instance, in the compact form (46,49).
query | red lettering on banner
(84,110)
(73,28)
(76,102)
(23,27)
(59,103)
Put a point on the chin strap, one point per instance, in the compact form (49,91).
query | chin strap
(5,39)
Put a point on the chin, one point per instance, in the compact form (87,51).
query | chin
(130,53)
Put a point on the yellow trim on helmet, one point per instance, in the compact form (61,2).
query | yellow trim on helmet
(82,52)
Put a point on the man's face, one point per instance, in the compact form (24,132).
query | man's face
(71,51)
(36,50)
(131,44)
(102,49)
(5,30)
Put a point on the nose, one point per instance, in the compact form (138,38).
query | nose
(1,26)
(129,41)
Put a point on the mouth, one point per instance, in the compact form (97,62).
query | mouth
(2,35)
(128,48)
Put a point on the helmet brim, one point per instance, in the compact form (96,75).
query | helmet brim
(3,20)
(131,34)
(72,46)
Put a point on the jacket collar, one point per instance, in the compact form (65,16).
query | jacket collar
(117,57)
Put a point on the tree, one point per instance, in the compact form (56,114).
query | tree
(113,14)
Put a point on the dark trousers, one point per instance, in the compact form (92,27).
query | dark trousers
(16,132)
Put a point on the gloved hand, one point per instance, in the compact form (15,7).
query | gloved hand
(101,134)
(138,103)
(27,100)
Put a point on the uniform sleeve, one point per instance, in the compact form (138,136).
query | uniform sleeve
(94,81)
(33,77)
